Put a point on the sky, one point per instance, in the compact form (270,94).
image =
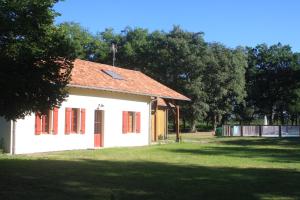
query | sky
(231,22)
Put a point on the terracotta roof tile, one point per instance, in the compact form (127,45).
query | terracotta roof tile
(87,74)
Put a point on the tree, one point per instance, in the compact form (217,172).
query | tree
(273,77)
(294,107)
(81,39)
(87,46)
(35,58)
(178,59)
(224,81)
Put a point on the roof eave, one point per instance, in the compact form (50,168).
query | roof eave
(127,92)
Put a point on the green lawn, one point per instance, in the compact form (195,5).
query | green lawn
(201,167)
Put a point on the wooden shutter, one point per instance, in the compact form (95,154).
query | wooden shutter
(82,121)
(138,122)
(68,121)
(55,121)
(38,123)
(125,122)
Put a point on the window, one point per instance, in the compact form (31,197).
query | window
(75,120)
(131,122)
(46,123)
(113,74)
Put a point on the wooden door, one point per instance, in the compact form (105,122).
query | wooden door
(99,128)
(161,114)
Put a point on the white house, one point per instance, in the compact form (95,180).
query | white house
(107,107)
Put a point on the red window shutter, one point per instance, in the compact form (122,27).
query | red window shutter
(125,122)
(138,122)
(55,121)
(82,119)
(68,120)
(38,123)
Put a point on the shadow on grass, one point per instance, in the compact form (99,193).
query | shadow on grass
(267,154)
(94,179)
(281,150)
(286,142)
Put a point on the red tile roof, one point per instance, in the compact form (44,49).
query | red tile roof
(86,74)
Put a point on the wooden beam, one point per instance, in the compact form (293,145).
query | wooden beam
(170,107)
(156,120)
(177,123)
(167,123)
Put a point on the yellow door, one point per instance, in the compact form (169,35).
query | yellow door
(161,123)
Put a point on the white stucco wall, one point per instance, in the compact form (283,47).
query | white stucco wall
(113,105)
(5,130)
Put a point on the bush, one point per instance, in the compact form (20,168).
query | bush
(204,127)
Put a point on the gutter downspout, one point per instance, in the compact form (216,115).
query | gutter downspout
(12,138)
(150,122)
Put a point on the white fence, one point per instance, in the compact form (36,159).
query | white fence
(261,130)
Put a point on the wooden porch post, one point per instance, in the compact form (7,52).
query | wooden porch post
(156,120)
(177,123)
(175,111)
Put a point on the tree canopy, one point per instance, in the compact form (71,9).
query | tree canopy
(35,58)
(239,84)
(273,80)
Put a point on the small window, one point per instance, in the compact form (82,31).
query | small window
(113,74)
(46,123)
(75,120)
(131,122)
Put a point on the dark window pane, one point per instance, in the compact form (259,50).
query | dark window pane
(74,124)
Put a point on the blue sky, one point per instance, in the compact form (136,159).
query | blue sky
(231,22)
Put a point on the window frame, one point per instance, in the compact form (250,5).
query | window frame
(46,123)
(78,119)
(73,129)
(131,119)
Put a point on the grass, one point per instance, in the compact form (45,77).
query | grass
(201,167)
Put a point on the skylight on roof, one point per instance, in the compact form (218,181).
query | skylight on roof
(113,74)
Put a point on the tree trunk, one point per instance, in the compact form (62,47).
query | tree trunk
(281,118)
(193,127)
(214,122)
(270,118)
(184,123)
